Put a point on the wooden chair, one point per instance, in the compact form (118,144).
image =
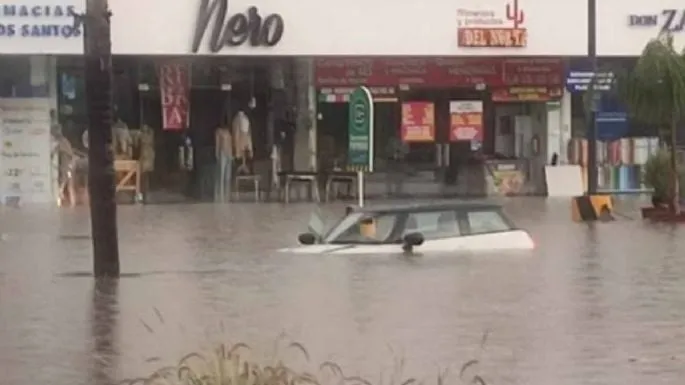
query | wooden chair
(241,180)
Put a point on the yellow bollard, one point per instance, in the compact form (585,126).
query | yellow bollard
(588,208)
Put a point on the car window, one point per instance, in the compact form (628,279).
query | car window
(489,221)
(342,226)
(382,227)
(433,224)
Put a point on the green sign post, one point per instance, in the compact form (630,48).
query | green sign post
(360,136)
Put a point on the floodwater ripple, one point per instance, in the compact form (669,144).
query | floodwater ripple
(598,304)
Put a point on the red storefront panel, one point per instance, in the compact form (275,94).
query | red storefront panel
(440,72)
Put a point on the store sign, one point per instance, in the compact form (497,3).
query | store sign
(669,20)
(466,121)
(233,30)
(418,122)
(579,81)
(526,94)
(360,131)
(38,21)
(447,72)
(342,94)
(486,28)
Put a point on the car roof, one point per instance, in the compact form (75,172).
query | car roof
(432,206)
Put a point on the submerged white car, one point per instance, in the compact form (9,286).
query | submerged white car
(442,227)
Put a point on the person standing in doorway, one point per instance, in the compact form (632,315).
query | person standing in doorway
(146,142)
(224,158)
(396,152)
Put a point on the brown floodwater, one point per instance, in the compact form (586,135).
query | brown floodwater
(601,304)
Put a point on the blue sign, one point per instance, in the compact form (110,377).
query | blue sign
(669,20)
(611,125)
(38,20)
(580,80)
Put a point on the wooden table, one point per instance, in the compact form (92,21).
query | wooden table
(289,178)
(333,178)
(127,176)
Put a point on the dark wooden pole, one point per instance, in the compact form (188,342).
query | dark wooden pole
(592,171)
(103,209)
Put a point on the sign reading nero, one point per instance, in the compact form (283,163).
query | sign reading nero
(234,30)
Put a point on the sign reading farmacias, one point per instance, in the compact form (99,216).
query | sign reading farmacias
(492,28)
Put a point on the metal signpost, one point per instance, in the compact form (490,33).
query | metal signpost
(360,137)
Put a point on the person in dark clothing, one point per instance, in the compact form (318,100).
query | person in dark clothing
(396,152)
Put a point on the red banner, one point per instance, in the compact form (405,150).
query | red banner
(174,84)
(466,120)
(418,122)
(440,72)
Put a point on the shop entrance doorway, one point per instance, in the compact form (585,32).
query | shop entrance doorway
(455,165)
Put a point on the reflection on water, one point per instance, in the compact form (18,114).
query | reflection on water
(103,325)
(593,304)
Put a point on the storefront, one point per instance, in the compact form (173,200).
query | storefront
(488,74)
(495,91)
(623,30)
(31,34)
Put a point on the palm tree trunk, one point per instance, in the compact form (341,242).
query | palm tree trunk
(103,209)
(675,188)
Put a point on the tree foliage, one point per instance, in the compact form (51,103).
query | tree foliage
(654,93)
(654,90)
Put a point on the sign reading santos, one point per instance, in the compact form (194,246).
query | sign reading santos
(237,29)
(37,21)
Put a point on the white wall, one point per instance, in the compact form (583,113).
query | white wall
(354,27)
(617,37)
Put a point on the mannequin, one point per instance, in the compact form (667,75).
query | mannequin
(146,143)
(242,140)
(121,140)
(223,150)
(70,161)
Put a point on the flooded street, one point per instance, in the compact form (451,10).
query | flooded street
(593,305)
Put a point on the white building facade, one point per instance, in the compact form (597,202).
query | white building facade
(494,48)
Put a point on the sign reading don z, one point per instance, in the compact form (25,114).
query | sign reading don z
(670,20)
(674,20)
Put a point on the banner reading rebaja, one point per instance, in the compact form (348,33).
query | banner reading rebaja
(174,85)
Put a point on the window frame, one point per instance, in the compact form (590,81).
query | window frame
(394,236)
(465,223)
(435,211)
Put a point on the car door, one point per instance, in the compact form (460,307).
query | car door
(486,229)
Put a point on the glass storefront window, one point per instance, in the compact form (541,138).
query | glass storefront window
(24,76)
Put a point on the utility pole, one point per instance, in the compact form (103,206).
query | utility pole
(593,95)
(98,75)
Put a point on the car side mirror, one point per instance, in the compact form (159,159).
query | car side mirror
(412,240)
(307,238)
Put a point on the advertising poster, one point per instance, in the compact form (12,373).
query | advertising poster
(418,122)
(25,162)
(508,179)
(174,86)
(466,121)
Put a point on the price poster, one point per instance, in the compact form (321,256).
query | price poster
(466,121)
(418,122)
